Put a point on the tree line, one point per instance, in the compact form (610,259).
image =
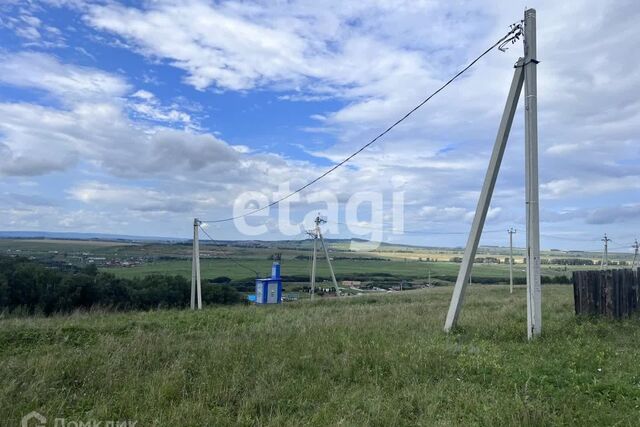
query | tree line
(35,288)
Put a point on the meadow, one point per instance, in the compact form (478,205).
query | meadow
(370,360)
(211,268)
(345,269)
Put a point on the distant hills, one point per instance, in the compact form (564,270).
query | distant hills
(59,235)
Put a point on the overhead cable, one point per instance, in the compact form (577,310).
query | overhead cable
(515,29)
(231,259)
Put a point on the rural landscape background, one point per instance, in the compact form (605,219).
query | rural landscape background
(377,356)
(143,142)
(57,275)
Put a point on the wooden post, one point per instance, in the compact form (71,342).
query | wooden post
(576,291)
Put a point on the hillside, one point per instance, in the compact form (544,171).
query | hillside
(376,360)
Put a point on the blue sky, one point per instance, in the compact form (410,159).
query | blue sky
(134,117)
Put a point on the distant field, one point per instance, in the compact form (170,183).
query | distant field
(84,243)
(401,262)
(211,268)
(220,267)
(43,245)
(372,360)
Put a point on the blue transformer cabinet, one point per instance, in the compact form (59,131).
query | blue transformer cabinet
(269,290)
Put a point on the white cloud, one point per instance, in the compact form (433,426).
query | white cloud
(614,214)
(22,20)
(453,213)
(316,47)
(129,198)
(212,46)
(101,135)
(143,94)
(161,115)
(69,83)
(577,187)
(29,150)
(93,125)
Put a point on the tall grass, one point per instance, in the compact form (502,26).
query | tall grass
(374,360)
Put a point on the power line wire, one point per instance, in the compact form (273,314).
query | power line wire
(513,33)
(570,239)
(231,259)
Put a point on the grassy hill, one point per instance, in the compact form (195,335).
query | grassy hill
(371,360)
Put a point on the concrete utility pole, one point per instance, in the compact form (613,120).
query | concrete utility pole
(605,253)
(511,231)
(635,246)
(534,286)
(316,234)
(196,288)
(525,74)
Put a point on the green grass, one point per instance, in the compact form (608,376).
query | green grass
(374,360)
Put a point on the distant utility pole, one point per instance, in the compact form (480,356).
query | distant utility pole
(605,254)
(196,288)
(316,234)
(511,231)
(635,246)
(312,279)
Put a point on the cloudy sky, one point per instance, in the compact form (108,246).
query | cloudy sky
(134,117)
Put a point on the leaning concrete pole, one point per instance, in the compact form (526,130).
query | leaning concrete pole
(196,288)
(534,287)
(485,197)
